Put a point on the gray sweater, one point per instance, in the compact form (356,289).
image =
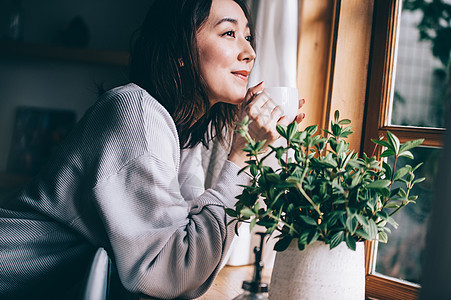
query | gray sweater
(120,181)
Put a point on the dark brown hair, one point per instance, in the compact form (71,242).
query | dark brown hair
(164,61)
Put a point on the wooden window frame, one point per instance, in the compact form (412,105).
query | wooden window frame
(346,54)
(380,89)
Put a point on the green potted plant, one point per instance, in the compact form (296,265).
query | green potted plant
(321,191)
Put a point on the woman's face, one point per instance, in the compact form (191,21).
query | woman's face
(226,56)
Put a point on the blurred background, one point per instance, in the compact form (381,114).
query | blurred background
(54,54)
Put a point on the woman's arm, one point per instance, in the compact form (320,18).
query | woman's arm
(164,246)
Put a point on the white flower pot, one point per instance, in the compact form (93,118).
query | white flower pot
(318,273)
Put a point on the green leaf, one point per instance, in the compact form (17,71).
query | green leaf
(342,147)
(383,237)
(231,212)
(361,232)
(247,213)
(282,130)
(410,144)
(419,180)
(344,122)
(382,214)
(401,173)
(381,143)
(303,238)
(351,224)
(392,222)
(308,220)
(291,130)
(368,232)
(301,246)
(327,131)
(273,177)
(333,217)
(313,236)
(362,220)
(336,116)
(391,205)
(259,145)
(336,129)
(350,242)
(254,170)
(378,184)
(407,154)
(311,130)
(336,239)
(246,198)
(283,243)
(402,193)
(371,229)
(252,224)
(387,230)
(388,169)
(387,153)
(394,142)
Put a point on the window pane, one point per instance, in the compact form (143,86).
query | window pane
(402,256)
(420,80)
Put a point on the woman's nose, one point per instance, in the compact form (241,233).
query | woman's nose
(247,52)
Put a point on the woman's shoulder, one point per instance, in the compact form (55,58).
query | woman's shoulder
(133,94)
(136,103)
(131,110)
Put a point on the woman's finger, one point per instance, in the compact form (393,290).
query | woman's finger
(261,106)
(253,91)
(284,121)
(277,113)
(300,117)
(301,103)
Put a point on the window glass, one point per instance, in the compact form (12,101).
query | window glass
(422,57)
(402,256)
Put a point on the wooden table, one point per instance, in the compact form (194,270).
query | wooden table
(227,284)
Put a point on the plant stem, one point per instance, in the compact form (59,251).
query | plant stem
(315,206)
(391,179)
(396,210)
(286,157)
(301,189)
(283,222)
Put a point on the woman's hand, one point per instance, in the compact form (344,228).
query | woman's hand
(265,115)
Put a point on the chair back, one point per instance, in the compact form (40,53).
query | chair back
(97,282)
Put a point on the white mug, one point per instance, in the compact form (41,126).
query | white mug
(287,98)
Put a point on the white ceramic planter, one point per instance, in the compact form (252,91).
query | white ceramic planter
(318,273)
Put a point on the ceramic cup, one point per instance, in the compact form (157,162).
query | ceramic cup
(287,98)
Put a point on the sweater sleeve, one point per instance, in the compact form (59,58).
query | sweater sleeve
(164,246)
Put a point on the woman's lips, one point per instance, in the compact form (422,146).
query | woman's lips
(243,74)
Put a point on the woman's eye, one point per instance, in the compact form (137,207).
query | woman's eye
(230,33)
(249,38)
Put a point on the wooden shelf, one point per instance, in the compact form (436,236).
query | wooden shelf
(13,49)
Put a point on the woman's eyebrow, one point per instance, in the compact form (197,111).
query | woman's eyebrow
(231,20)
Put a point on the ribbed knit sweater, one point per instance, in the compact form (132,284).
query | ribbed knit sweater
(119,181)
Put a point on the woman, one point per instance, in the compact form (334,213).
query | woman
(121,180)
